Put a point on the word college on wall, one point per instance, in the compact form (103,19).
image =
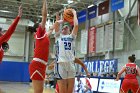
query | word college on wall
(102,65)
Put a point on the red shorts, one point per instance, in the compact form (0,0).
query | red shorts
(37,70)
(130,84)
(56,88)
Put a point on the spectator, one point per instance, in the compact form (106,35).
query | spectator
(107,75)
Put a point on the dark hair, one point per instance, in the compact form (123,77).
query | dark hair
(5,46)
(0,34)
(132,58)
(33,28)
(0,29)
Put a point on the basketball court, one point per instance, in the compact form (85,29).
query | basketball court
(12,87)
(108,35)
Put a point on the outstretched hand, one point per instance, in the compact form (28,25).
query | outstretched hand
(58,19)
(57,16)
(20,11)
(73,11)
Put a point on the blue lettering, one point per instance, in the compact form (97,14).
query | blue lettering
(112,63)
(101,66)
(92,66)
(106,66)
(96,66)
(89,67)
(67,39)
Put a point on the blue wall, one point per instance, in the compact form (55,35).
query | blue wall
(14,71)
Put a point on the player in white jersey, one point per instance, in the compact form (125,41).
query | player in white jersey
(65,45)
(65,56)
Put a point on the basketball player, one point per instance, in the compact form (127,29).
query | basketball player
(37,67)
(65,47)
(130,81)
(78,61)
(5,37)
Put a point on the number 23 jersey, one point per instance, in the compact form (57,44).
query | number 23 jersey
(65,48)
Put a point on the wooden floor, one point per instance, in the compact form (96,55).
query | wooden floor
(9,87)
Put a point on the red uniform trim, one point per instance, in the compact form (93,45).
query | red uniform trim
(37,70)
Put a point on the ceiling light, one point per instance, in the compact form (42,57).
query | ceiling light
(41,16)
(90,6)
(70,1)
(5,11)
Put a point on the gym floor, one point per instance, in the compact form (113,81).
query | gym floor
(10,87)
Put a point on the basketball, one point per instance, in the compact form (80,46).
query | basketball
(68,15)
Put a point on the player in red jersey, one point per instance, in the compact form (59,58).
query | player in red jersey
(130,81)
(5,37)
(37,67)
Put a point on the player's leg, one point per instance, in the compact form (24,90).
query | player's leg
(134,86)
(70,87)
(61,75)
(37,76)
(62,86)
(125,86)
(38,86)
(71,77)
(37,81)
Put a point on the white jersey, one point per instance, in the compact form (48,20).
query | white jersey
(65,48)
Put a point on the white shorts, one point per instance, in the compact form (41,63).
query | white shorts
(65,70)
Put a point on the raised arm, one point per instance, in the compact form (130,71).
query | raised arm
(120,73)
(44,14)
(75,20)
(56,25)
(57,22)
(10,31)
(78,61)
(41,29)
(138,71)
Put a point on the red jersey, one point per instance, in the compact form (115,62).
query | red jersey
(131,71)
(7,35)
(1,54)
(42,43)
